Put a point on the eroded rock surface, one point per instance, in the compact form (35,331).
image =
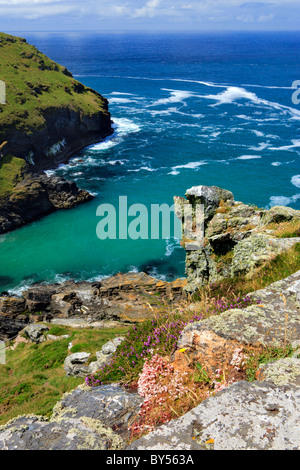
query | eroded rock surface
(237,237)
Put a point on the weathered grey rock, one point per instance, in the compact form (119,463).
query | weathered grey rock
(210,197)
(244,416)
(274,322)
(255,250)
(55,338)
(75,364)
(279,214)
(105,355)
(84,419)
(281,372)
(35,333)
(35,433)
(108,404)
(111,346)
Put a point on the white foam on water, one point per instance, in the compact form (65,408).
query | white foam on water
(276,163)
(283,200)
(233,94)
(123,127)
(145,168)
(190,165)
(295,144)
(116,162)
(165,112)
(295,180)
(171,245)
(248,157)
(261,146)
(176,96)
(121,101)
(257,133)
(121,93)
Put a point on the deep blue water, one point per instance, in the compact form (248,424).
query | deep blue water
(189,109)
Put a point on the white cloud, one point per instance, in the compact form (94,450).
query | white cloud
(148,9)
(157,13)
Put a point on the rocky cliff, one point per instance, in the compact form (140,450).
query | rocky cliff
(236,239)
(47,117)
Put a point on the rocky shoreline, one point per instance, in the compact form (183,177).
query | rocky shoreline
(123,298)
(37,196)
(259,415)
(49,120)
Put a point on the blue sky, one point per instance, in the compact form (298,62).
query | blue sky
(110,15)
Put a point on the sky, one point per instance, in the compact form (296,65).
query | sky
(152,15)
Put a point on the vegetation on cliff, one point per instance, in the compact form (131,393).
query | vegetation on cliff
(47,116)
(35,83)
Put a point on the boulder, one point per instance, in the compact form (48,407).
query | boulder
(244,416)
(36,333)
(210,197)
(75,364)
(84,419)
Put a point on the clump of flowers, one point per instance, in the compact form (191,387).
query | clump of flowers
(163,389)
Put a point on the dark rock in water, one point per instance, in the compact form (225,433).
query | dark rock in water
(37,196)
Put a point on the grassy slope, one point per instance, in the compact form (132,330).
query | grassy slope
(33,378)
(12,170)
(34,83)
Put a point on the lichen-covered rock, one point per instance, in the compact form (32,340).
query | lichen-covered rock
(255,250)
(272,322)
(108,404)
(232,228)
(281,372)
(244,416)
(36,333)
(35,433)
(84,419)
(105,355)
(279,214)
(210,197)
(75,364)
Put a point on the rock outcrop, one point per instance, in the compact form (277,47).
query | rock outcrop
(37,196)
(85,419)
(244,416)
(236,238)
(125,298)
(47,118)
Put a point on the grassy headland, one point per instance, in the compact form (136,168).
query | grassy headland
(35,83)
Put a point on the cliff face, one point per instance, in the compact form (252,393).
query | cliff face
(47,116)
(237,238)
(64,133)
(37,196)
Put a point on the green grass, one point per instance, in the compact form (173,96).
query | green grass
(12,170)
(33,379)
(35,83)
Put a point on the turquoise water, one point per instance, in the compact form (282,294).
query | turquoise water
(188,110)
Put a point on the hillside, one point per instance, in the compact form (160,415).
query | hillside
(46,117)
(38,88)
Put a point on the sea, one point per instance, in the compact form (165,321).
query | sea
(188,109)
